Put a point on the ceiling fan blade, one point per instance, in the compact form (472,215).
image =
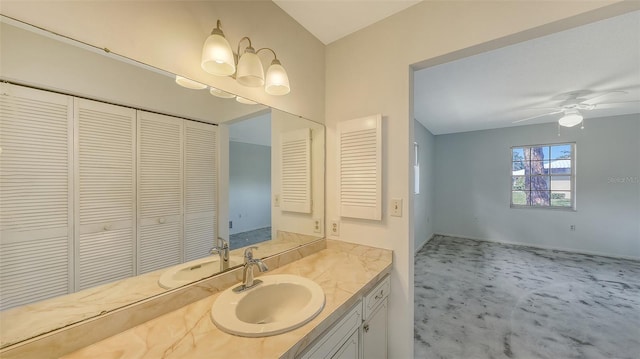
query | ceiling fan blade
(589,101)
(534,117)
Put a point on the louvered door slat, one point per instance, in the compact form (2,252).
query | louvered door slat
(360,168)
(295,167)
(160,191)
(105,195)
(201,175)
(35,180)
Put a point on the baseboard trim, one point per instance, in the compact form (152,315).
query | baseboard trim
(561,249)
(424,244)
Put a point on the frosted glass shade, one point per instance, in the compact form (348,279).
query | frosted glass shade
(219,93)
(245,101)
(277,81)
(250,72)
(217,56)
(570,119)
(190,84)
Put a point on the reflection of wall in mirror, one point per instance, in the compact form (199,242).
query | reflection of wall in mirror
(302,223)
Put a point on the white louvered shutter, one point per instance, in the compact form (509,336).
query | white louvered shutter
(160,191)
(201,183)
(360,169)
(105,193)
(35,204)
(296,171)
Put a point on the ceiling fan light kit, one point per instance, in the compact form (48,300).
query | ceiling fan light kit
(571,118)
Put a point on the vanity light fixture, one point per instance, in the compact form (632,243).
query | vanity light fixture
(219,93)
(190,84)
(571,118)
(218,59)
(245,101)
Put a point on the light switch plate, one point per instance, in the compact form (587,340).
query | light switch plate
(396,207)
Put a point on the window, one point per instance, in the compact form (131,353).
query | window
(543,176)
(416,169)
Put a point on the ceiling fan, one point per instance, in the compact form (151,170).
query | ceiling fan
(572,108)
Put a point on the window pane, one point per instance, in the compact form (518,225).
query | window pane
(517,168)
(561,198)
(540,198)
(538,167)
(560,167)
(540,183)
(561,183)
(538,153)
(517,154)
(518,183)
(561,152)
(519,198)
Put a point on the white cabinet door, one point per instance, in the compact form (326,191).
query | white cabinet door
(374,333)
(160,191)
(349,350)
(201,182)
(104,192)
(36,211)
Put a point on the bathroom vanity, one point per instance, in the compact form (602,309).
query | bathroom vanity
(353,323)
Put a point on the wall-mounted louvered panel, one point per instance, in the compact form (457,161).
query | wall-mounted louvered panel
(35,206)
(160,191)
(296,171)
(201,174)
(105,192)
(360,170)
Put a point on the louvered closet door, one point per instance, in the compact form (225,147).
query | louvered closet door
(35,205)
(160,191)
(201,175)
(105,193)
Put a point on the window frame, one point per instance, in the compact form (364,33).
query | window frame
(572,177)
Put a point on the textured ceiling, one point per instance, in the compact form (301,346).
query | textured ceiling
(493,89)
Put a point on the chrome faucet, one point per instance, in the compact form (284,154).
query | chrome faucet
(247,273)
(222,249)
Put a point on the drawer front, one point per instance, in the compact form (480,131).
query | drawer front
(336,336)
(376,296)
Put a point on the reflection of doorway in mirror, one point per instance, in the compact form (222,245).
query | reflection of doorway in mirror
(250,181)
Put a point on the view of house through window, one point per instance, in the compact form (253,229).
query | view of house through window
(543,176)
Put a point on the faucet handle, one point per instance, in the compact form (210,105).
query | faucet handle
(223,243)
(248,253)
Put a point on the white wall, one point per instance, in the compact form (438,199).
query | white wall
(249,186)
(424,202)
(473,186)
(369,72)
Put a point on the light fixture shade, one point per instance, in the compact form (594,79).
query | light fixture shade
(250,72)
(219,93)
(277,81)
(245,101)
(217,56)
(570,118)
(190,84)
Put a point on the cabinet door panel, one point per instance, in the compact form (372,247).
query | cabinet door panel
(349,350)
(374,333)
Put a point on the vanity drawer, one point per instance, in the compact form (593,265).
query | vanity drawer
(376,296)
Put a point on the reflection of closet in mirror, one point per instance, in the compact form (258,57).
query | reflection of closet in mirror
(250,181)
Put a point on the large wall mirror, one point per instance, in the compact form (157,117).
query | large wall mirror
(243,173)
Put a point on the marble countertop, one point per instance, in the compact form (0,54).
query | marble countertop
(343,270)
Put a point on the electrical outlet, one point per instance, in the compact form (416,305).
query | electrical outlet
(276,200)
(335,228)
(572,227)
(396,207)
(230,224)
(317,225)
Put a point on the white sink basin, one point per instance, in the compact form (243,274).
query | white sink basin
(195,270)
(279,304)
